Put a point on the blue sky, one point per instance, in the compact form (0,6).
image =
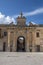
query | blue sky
(32,9)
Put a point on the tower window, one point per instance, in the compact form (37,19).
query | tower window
(37,34)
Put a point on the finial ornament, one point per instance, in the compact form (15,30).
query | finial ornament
(21,14)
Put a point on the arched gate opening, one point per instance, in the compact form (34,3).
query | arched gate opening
(20,44)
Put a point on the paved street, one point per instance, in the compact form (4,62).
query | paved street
(21,58)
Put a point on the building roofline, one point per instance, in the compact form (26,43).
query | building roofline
(8,25)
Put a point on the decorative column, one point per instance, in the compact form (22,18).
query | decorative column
(27,41)
(34,42)
(8,40)
(14,42)
(30,44)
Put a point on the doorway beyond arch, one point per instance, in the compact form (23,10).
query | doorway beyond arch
(21,44)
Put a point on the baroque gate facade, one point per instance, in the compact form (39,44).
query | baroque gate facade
(21,37)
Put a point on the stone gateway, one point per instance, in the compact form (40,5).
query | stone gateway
(21,37)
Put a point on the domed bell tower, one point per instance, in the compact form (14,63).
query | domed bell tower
(21,20)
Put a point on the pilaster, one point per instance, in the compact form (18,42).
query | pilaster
(8,41)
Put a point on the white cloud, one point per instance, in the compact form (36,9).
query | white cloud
(1,16)
(6,19)
(15,16)
(32,23)
(35,12)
